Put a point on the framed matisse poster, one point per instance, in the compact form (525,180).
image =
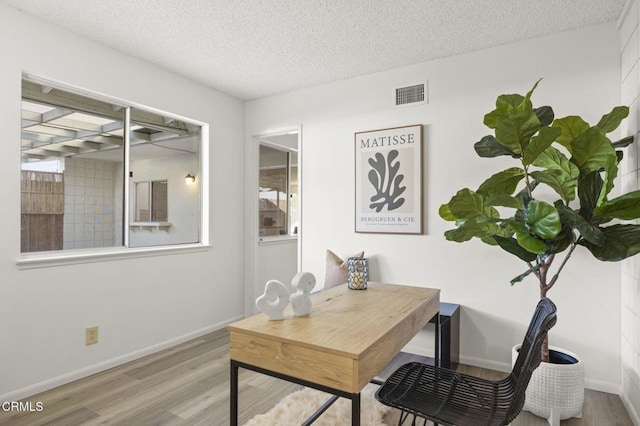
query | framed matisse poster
(388,167)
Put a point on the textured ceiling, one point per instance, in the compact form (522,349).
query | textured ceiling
(254,48)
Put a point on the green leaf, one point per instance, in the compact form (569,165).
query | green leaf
(610,122)
(530,92)
(466,204)
(565,186)
(539,144)
(592,150)
(530,243)
(473,228)
(446,214)
(525,274)
(488,147)
(560,243)
(545,115)
(514,130)
(570,128)
(552,158)
(589,189)
(543,219)
(511,245)
(502,183)
(623,142)
(589,231)
(625,207)
(621,241)
(503,201)
(504,105)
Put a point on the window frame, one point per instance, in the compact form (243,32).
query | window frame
(29,260)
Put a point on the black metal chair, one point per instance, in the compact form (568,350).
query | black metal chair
(447,397)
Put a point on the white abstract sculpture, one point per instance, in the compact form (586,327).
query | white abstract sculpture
(274,299)
(303,282)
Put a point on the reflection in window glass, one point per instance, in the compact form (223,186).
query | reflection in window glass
(163,151)
(151,201)
(72,166)
(278,199)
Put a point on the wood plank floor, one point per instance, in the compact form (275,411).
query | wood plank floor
(189,385)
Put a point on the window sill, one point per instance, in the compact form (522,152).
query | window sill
(149,225)
(74,257)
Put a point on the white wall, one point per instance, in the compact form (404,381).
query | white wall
(630,75)
(139,304)
(581,76)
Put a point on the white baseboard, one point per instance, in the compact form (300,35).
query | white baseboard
(597,385)
(110,363)
(486,363)
(635,416)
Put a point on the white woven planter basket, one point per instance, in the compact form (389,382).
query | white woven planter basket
(556,391)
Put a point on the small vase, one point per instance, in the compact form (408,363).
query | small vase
(357,273)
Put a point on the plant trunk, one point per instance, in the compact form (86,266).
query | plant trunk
(545,342)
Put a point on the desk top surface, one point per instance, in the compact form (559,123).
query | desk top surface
(343,321)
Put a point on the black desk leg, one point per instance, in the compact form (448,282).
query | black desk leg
(355,409)
(233,415)
(436,354)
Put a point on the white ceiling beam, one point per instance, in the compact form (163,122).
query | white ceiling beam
(54,114)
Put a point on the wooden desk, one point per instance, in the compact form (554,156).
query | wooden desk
(347,339)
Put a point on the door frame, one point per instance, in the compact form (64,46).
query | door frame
(252,239)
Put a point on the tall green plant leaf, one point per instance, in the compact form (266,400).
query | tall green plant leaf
(563,185)
(530,243)
(502,183)
(552,158)
(503,201)
(589,189)
(545,114)
(610,122)
(445,213)
(623,142)
(511,245)
(625,207)
(525,274)
(543,219)
(474,228)
(515,129)
(570,128)
(539,144)
(564,239)
(588,230)
(504,105)
(621,241)
(466,204)
(592,150)
(488,147)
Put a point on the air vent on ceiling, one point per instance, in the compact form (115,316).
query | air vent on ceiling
(410,94)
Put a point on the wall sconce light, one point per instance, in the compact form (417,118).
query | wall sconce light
(190,179)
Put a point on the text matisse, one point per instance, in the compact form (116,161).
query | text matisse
(382,141)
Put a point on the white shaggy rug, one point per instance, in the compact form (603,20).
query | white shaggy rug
(296,407)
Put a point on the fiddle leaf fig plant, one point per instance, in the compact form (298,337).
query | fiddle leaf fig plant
(556,197)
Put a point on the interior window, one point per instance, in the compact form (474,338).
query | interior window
(73,150)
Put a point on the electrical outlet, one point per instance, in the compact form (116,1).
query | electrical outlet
(91,335)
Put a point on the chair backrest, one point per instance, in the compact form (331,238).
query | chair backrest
(530,356)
